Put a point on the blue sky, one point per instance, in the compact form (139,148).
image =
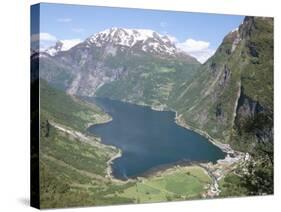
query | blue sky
(76,23)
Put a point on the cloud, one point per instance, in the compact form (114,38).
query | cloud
(68,44)
(47,40)
(191,45)
(43,36)
(199,49)
(64,20)
(42,40)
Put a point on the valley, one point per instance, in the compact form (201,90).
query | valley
(226,104)
(76,167)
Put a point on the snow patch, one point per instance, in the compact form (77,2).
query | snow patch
(51,51)
(149,39)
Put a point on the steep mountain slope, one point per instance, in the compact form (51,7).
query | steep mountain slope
(69,159)
(135,65)
(68,110)
(234,85)
(231,98)
(149,79)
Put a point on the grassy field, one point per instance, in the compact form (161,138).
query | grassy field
(174,184)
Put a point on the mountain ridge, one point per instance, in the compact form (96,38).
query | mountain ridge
(238,70)
(207,97)
(145,39)
(134,62)
(229,98)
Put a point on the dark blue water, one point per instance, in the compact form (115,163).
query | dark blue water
(149,139)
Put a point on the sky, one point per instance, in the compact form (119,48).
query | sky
(199,34)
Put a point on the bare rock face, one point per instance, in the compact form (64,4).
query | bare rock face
(248,107)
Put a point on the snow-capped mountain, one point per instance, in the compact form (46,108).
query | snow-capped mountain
(117,55)
(146,40)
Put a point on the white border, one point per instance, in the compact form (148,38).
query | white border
(14,88)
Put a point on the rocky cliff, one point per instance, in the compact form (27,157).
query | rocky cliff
(234,85)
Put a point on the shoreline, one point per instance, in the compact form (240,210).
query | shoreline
(224,165)
(109,119)
(109,174)
(163,108)
(110,162)
(224,147)
(232,158)
(164,167)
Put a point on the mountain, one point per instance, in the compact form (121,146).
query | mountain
(144,67)
(53,50)
(234,88)
(144,39)
(229,97)
(67,153)
(138,40)
(135,65)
